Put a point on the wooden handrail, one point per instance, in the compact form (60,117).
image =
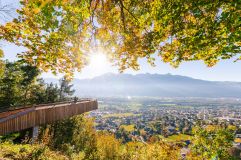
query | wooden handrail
(37,105)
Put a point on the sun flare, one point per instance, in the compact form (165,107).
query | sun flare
(98,60)
(99,63)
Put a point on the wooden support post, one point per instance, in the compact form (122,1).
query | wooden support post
(35,132)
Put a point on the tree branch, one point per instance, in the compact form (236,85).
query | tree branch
(6,10)
(122,14)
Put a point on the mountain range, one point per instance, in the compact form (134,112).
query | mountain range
(158,85)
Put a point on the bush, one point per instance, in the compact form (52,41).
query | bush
(9,150)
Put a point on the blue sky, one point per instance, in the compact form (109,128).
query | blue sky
(226,70)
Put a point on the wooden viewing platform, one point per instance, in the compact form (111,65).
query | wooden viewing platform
(29,117)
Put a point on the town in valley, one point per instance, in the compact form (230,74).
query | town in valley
(168,119)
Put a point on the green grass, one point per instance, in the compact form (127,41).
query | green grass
(128,128)
(179,137)
(168,104)
(175,138)
(120,115)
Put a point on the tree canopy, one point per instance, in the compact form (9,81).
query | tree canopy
(60,34)
(17,84)
(20,85)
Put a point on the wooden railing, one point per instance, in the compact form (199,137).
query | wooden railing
(24,118)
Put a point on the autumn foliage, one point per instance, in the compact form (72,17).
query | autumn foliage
(60,34)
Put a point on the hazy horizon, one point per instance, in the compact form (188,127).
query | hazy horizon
(133,74)
(153,85)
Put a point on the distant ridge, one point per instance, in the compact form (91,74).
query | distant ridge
(161,85)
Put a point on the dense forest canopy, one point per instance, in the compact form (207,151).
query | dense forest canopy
(20,84)
(60,34)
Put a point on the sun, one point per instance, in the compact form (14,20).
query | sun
(98,60)
(98,64)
